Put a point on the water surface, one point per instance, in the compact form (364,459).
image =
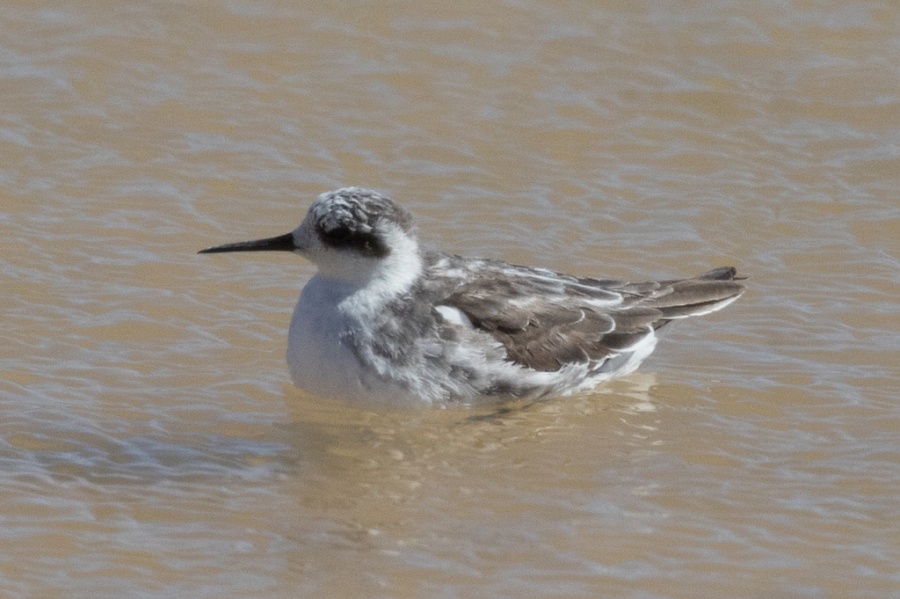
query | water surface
(151,444)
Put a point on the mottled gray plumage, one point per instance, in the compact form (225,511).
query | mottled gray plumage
(385,320)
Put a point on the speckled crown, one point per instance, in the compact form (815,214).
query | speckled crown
(350,218)
(357,210)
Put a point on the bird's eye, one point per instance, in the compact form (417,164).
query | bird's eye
(347,238)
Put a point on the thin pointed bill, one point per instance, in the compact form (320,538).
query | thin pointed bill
(282,243)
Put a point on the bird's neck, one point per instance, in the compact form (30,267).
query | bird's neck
(363,287)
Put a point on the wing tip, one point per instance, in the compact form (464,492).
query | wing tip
(722,273)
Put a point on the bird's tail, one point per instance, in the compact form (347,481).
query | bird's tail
(701,295)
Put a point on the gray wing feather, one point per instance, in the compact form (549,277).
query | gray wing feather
(545,320)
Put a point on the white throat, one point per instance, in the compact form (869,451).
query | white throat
(347,292)
(367,284)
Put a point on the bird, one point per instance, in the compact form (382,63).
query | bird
(385,320)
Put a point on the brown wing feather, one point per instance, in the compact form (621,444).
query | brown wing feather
(543,337)
(545,320)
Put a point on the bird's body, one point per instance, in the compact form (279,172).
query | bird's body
(387,321)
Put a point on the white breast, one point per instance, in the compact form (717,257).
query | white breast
(320,355)
(315,356)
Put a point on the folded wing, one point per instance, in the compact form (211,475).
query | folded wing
(546,320)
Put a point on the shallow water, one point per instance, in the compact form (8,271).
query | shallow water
(151,444)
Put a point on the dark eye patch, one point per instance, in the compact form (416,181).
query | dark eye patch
(344,237)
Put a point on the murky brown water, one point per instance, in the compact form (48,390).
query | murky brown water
(151,445)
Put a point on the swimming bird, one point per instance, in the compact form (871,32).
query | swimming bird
(385,320)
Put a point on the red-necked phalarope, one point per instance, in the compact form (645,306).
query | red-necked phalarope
(385,320)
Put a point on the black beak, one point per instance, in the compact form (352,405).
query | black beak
(282,243)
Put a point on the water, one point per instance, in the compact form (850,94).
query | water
(151,444)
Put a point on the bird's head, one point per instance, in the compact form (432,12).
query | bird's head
(351,234)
